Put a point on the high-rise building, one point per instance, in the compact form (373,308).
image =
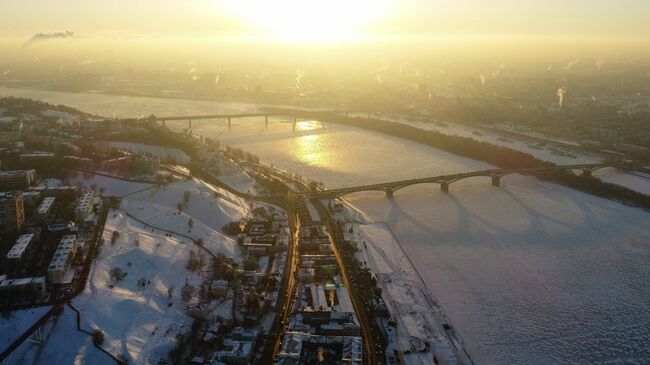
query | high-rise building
(12,212)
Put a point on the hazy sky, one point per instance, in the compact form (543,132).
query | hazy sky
(327,18)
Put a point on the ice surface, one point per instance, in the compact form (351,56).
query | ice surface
(530,272)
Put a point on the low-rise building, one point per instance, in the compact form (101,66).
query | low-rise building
(22,290)
(62,259)
(235,352)
(17,179)
(37,159)
(31,199)
(84,206)
(305,348)
(24,244)
(62,192)
(45,210)
(219,288)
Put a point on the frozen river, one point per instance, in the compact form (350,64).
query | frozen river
(528,273)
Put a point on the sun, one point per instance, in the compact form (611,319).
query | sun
(308,20)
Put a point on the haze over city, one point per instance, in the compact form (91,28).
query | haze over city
(324,182)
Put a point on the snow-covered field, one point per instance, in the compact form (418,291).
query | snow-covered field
(636,181)
(158,151)
(17,322)
(202,205)
(62,345)
(418,318)
(107,186)
(143,322)
(239,181)
(530,272)
(140,322)
(62,116)
(448,128)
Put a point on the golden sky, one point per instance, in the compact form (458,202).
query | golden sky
(327,20)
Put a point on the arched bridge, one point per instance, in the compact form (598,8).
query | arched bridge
(445,180)
(295,114)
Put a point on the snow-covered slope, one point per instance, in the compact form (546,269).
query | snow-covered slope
(107,186)
(158,151)
(62,345)
(16,322)
(202,206)
(140,322)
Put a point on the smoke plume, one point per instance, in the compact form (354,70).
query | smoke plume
(299,76)
(39,37)
(570,65)
(561,92)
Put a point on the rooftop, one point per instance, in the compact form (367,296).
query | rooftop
(20,246)
(63,250)
(45,205)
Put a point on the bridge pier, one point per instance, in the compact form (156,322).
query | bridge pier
(496,180)
(444,186)
(586,173)
(389,193)
(189,123)
(164,123)
(295,121)
(266,120)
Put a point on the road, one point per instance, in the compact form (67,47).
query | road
(283,306)
(374,341)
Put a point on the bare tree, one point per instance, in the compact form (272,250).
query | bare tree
(114,237)
(98,337)
(117,275)
(187,292)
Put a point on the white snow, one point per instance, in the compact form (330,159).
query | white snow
(530,271)
(17,322)
(313,213)
(63,116)
(636,181)
(142,323)
(106,185)
(202,206)
(170,219)
(480,134)
(139,323)
(62,345)
(239,181)
(157,151)
(527,273)
(418,318)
